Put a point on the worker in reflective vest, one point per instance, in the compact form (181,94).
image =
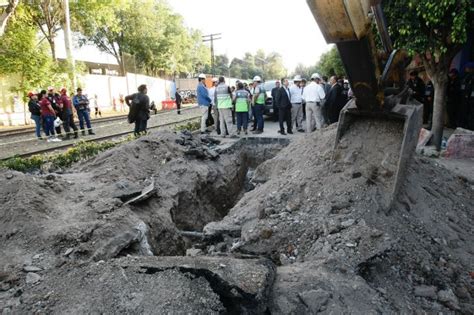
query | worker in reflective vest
(223,99)
(259,96)
(242,103)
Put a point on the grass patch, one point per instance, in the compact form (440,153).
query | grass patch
(190,126)
(80,151)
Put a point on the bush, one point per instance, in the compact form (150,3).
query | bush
(190,126)
(80,151)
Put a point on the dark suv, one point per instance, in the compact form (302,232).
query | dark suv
(269,85)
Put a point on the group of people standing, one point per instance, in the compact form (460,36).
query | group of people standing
(50,110)
(231,108)
(460,97)
(318,102)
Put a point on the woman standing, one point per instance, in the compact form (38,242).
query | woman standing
(242,103)
(48,115)
(35,111)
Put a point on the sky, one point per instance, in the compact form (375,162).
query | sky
(283,26)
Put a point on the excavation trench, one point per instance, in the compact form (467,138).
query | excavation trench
(176,216)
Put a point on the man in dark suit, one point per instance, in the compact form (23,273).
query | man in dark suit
(335,100)
(284,107)
(274,95)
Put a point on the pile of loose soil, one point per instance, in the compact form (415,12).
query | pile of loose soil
(137,199)
(339,250)
(306,231)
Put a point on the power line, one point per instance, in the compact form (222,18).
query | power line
(211,38)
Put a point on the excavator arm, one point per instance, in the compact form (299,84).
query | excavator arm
(384,127)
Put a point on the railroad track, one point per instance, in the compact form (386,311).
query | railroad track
(28,130)
(101,138)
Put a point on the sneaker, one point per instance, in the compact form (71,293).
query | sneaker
(300,130)
(290,132)
(49,140)
(56,140)
(282,132)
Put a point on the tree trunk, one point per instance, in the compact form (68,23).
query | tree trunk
(7,13)
(440,83)
(438,72)
(53,48)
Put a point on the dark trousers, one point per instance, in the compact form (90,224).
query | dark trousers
(258,115)
(210,120)
(68,123)
(427,112)
(253,118)
(242,120)
(98,112)
(83,115)
(284,115)
(178,106)
(37,120)
(49,125)
(275,112)
(140,126)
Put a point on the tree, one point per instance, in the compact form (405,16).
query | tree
(23,56)
(274,68)
(6,13)
(48,15)
(436,31)
(105,29)
(330,63)
(148,30)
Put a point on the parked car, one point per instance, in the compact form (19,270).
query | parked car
(269,85)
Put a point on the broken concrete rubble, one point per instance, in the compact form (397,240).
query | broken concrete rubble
(267,226)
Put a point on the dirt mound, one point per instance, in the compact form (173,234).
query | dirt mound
(141,198)
(309,213)
(66,237)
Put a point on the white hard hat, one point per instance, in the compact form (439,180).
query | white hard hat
(215,79)
(297,78)
(257,79)
(315,76)
(202,76)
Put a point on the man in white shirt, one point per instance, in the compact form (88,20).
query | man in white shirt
(296,104)
(313,95)
(213,109)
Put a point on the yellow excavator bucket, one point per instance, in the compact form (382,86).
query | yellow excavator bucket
(376,133)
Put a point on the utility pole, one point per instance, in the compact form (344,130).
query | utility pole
(68,42)
(211,38)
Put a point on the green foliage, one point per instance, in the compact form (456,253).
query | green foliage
(438,27)
(267,66)
(80,151)
(23,56)
(190,126)
(329,64)
(148,30)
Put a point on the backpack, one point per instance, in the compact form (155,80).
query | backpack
(134,108)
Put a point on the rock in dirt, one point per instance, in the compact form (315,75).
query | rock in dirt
(315,299)
(447,297)
(32,278)
(426,291)
(31,269)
